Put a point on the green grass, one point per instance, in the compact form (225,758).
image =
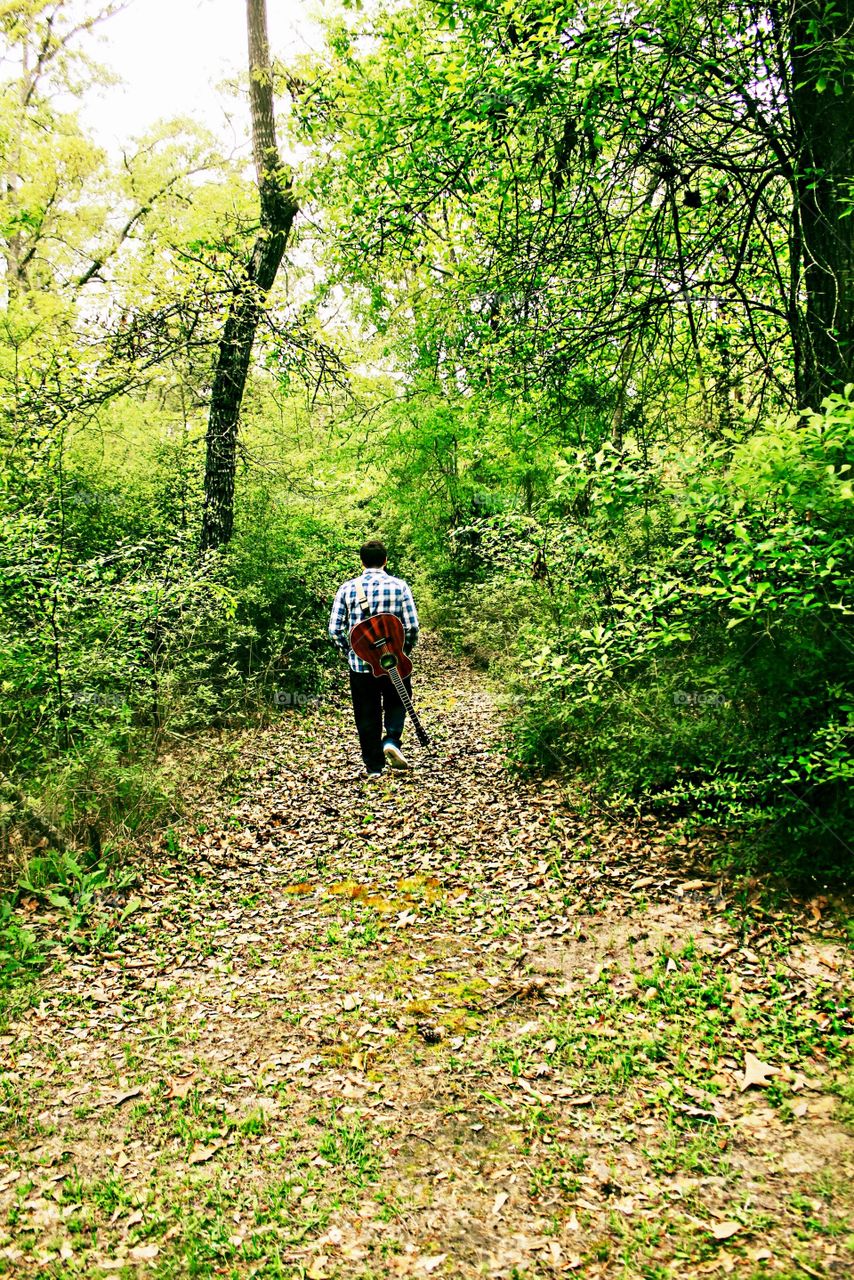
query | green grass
(350,1147)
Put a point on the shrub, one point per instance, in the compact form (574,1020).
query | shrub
(691,652)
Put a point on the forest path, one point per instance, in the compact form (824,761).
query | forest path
(444,1024)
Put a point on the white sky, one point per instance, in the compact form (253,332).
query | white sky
(172,55)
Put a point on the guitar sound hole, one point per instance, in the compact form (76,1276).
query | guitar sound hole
(387,661)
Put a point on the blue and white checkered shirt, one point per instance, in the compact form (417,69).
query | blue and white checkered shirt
(385,594)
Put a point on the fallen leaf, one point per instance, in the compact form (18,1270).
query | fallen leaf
(756,1072)
(126,1097)
(199,1155)
(724,1230)
(180,1088)
(499,1202)
(144,1252)
(428,1262)
(816,906)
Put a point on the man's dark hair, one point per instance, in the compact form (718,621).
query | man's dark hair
(373,554)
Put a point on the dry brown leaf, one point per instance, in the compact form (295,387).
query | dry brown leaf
(724,1230)
(126,1096)
(199,1155)
(429,1262)
(756,1072)
(144,1252)
(180,1088)
(816,906)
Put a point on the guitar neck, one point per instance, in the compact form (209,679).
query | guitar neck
(407,702)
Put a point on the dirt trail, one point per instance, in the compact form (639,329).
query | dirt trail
(445,1024)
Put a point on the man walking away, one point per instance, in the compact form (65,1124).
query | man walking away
(378,711)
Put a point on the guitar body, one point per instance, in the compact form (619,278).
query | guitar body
(379,642)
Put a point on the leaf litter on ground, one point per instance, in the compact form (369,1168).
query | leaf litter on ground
(453,1023)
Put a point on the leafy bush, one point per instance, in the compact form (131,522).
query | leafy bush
(20,955)
(691,651)
(72,886)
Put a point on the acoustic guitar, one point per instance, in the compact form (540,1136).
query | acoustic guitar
(379,642)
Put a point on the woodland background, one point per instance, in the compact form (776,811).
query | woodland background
(557,298)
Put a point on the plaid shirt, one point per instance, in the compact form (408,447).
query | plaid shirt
(385,595)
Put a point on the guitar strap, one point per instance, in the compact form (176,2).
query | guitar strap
(361,597)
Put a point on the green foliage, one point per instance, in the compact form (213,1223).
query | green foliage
(71,887)
(713,678)
(20,955)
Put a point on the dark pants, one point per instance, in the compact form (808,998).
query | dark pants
(375,699)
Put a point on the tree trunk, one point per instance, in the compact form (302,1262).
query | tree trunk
(278,210)
(16,275)
(822,113)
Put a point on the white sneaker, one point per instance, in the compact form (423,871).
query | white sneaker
(372,775)
(394,756)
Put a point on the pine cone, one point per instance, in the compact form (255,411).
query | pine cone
(430,1033)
